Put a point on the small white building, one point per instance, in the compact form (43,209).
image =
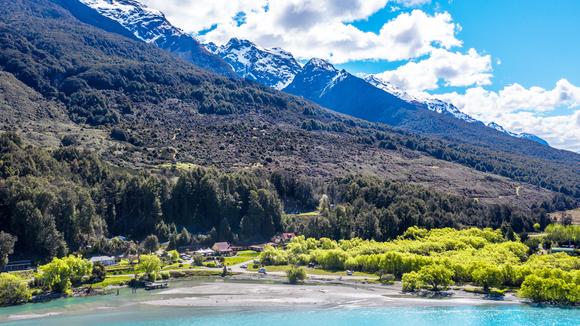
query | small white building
(205,252)
(105,260)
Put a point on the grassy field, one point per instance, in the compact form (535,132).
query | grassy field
(112,280)
(241,257)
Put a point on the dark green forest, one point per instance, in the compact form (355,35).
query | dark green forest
(66,200)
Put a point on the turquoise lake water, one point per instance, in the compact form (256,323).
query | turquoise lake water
(488,315)
(128,309)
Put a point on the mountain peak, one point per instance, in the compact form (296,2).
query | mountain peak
(272,67)
(319,64)
(150,26)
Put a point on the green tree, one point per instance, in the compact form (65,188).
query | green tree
(296,274)
(7,242)
(436,276)
(61,273)
(150,265)
(13,290)
(487,275)
(173,255)
(151,243)
(411,281)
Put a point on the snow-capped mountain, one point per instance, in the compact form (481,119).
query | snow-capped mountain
(431,103)
(272,67)
(370,98)
(522,135)
(343,92)
(151,26)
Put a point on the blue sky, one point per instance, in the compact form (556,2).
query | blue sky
(513,62)
(537,42)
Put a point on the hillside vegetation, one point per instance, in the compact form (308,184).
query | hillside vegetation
(68,200)
(166,109)
(438,258)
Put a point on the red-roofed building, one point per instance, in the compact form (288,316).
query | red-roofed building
(222,248)
(287,236)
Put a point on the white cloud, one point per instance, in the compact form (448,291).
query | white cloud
(451,68)
(316,28)
(412,3)
(521,109)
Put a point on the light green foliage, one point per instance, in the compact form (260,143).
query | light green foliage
(273,256)
(296,274)
(560,234)
(13,290)
(61,273)
(150,265)
(173,255)
(487,275)
(410,281)
(437,277)
(552,285)
(429,258)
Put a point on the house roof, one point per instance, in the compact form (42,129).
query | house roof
(97,259)
(221,246)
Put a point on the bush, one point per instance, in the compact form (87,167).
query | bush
(387,279)
(99,273)
(164,275)
(13,290)
(410,282)
(198,260)
(150,265)
(296,274)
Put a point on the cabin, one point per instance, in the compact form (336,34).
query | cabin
(286,237)
(104,260)
(204,252)
(222,248)
(17,265)
(260,247)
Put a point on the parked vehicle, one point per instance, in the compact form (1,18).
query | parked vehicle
(244,266)
(262,270)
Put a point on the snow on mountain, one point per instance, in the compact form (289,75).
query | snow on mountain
(147,24)
(151,26)
(520,135)
(431,103)
(272,67)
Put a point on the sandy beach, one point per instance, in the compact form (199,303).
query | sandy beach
(243,294)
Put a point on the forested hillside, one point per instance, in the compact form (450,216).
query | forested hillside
(69,200)
(167,109)
(140,142)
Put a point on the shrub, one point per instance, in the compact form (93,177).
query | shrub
(296,274)
(410,282)
(150,265)
(164,275)
(13,290)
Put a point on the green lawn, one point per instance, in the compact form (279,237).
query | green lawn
(241,257)
(112,280)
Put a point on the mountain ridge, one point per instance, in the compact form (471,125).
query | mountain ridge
(161,109)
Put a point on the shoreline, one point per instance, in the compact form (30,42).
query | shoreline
(246,292)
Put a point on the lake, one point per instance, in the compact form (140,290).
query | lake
(129,309)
